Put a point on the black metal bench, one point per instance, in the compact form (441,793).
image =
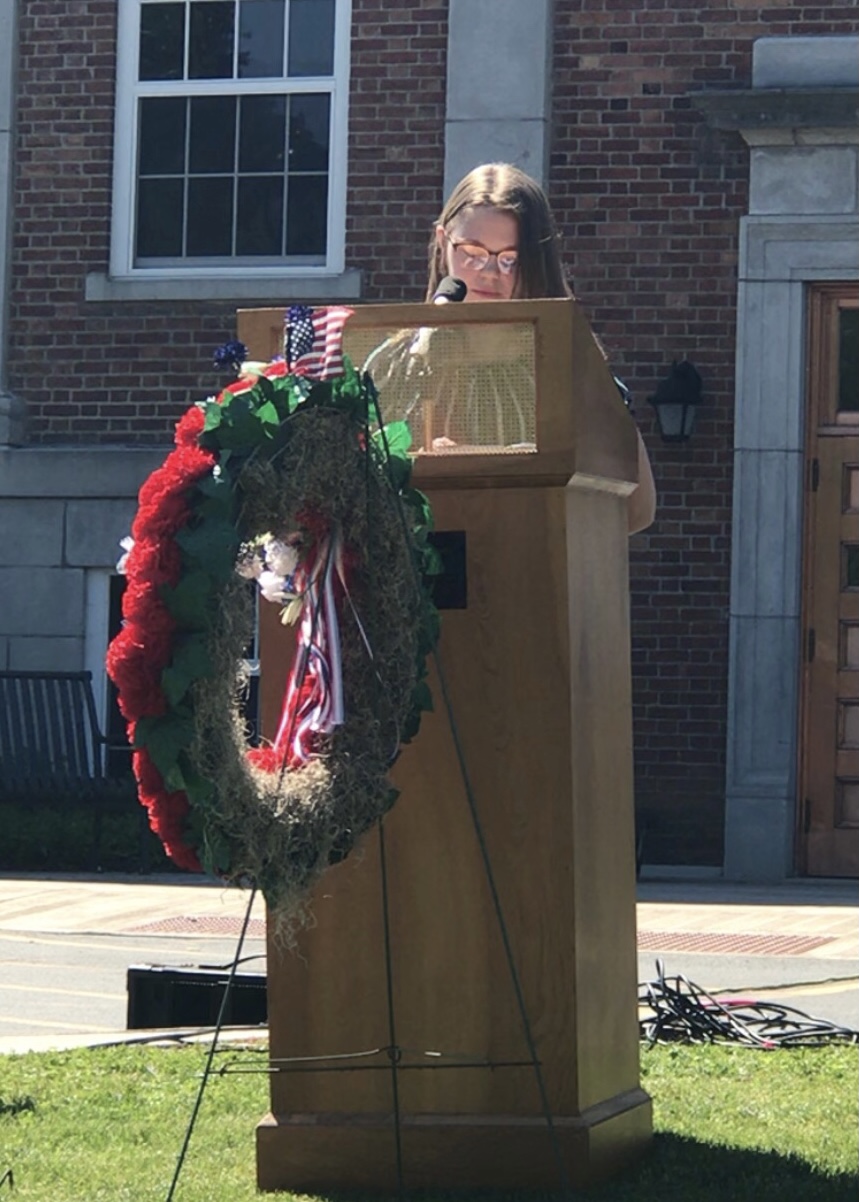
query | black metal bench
(51,747)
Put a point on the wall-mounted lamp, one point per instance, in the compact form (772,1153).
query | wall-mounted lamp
(676,401)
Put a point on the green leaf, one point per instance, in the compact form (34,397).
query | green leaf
(192,656)
(431,561)
(218,502)
(319,394)
(174,779)
(418,503)
(174,684)
(268,414)
(191,661)
(411,725)
(189,602)
(215,855)
(372,393)
(214,486)
(199,788)
(164,737)
(213,543)
(397,469)
(214,416)
(243,432)
(263,390)
(422,696)
(398,437)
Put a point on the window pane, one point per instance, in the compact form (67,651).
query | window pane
(307,215)
(162,136)
(210,216)
(311,37)
(849,724)
(308,133)
(261,39)
(262,134)
(849,565)
(850,646)
(848,360)
(162,41)
(851,488)
(210,55)
(259,229)
(847,804)
(159,218)
(213,134)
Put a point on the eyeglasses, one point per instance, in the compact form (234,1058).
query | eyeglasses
(477,257)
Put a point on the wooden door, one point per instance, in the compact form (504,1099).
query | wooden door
(829,759)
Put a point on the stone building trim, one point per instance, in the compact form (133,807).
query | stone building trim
(64,511)
(498,101)
(802,227)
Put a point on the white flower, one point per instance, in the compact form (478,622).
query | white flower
(250,566)
(281,557)
(273,587)
(127,544)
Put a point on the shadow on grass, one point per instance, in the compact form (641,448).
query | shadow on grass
(675,1170)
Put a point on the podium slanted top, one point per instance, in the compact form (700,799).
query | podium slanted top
(496,394)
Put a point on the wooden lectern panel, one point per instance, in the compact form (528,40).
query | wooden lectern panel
(536,668)
(582,428)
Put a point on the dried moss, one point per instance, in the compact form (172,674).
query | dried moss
(281,830)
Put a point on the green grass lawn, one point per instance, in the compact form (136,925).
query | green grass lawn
(732,1125)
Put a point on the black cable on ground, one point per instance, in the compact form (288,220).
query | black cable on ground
(682,1012)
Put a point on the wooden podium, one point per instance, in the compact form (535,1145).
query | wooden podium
(537,674)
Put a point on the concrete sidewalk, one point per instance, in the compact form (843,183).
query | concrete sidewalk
(796,940)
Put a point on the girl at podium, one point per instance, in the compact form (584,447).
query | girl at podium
(468,389)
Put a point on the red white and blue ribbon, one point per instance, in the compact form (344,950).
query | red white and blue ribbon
(313,705)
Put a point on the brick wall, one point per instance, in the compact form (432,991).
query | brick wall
(122,372)
(396,148)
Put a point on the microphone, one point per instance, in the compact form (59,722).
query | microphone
(450,289)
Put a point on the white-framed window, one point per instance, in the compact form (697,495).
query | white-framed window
(231,134)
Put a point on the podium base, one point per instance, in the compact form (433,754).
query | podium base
(318,1152)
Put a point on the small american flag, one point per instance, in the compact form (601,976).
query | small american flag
(313,341)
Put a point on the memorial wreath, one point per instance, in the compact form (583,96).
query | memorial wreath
(288,478)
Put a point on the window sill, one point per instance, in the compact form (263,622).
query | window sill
(347,286)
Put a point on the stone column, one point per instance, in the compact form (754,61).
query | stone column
(499,73)
(800,122)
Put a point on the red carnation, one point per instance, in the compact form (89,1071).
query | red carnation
(131,666)
(167,811)
(189,427)
(193,462)
(161,512)
(154,562)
